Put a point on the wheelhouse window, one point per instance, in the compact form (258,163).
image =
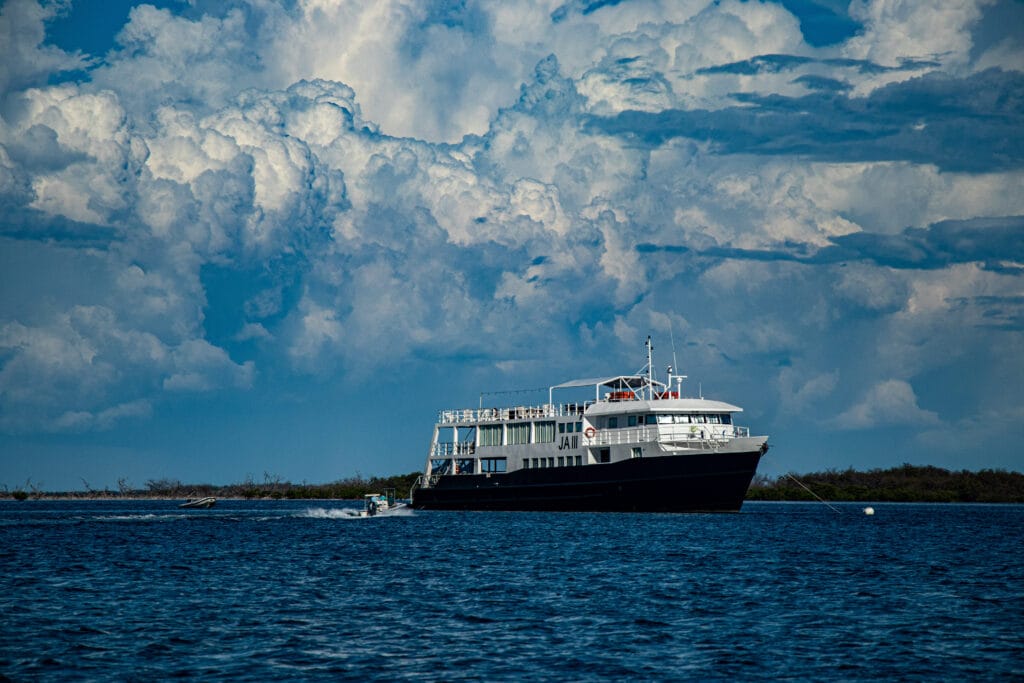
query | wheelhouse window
(465,466)
(493,464)
(544,432)
(650,419)
(519,433)
(726,419)
(490,435)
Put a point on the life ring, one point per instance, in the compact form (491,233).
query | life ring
(693,429)
(589,432)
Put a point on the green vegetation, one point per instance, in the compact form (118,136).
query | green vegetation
(271,487)
(899,484)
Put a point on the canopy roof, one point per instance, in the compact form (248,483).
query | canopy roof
(618,382)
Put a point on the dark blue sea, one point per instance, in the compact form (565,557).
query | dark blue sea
(139,590)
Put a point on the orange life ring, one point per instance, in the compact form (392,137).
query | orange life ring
(589,432)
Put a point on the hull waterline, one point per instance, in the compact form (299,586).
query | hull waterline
(711,482)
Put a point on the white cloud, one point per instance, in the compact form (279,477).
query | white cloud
(887,403)
(24,58)
(895,30)
(346,247)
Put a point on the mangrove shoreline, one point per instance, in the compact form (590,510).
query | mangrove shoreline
(904,484)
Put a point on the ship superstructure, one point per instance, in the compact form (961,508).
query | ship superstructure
(636,444)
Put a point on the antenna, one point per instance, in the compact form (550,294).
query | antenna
(650,370)
(678,378)
(672,338)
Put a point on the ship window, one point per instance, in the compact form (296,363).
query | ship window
(631,421)
(726,419)
(544,432)
(519,433)
(651,419)
(579,460)
(665,419)
(526,463)
(465,466)
(440,466)
(551,462)
(490,435)
(561,428)
(492,464)
(714,419)
(579,426)
(638,452)
(613,422)
(561,461)
(604,455)
(682,419)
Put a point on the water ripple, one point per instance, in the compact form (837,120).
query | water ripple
(282,590)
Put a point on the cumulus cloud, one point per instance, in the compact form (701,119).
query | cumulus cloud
(323,189)
(25,59)
(887,403)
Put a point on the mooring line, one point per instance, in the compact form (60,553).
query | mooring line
(805,488)
(812,492)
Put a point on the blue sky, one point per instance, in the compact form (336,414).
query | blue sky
(246,238)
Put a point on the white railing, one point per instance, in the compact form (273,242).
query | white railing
(475,415)
(675,433)
(443,449)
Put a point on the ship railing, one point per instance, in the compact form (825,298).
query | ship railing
(446,449)
(475,415)
(713,436)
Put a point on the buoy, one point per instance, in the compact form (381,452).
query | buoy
(869,511)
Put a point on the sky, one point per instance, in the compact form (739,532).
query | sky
(273,239)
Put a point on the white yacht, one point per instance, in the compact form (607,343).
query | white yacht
(636,445)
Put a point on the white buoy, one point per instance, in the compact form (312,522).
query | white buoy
(869,511)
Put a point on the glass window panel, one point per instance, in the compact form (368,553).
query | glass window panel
(490,435)
(544,432)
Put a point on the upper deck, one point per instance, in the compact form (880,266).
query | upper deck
(604,406)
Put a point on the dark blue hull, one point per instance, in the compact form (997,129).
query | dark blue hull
(704,482)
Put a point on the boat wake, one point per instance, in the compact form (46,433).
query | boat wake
(352,513)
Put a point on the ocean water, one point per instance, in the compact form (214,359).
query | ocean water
(287,590)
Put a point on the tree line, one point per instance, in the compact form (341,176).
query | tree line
(271,487)
(907,483)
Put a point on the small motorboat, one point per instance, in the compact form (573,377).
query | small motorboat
(379,503)
(207,502)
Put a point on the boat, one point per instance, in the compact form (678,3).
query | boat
(633,444)
(375,504)
(207,502)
